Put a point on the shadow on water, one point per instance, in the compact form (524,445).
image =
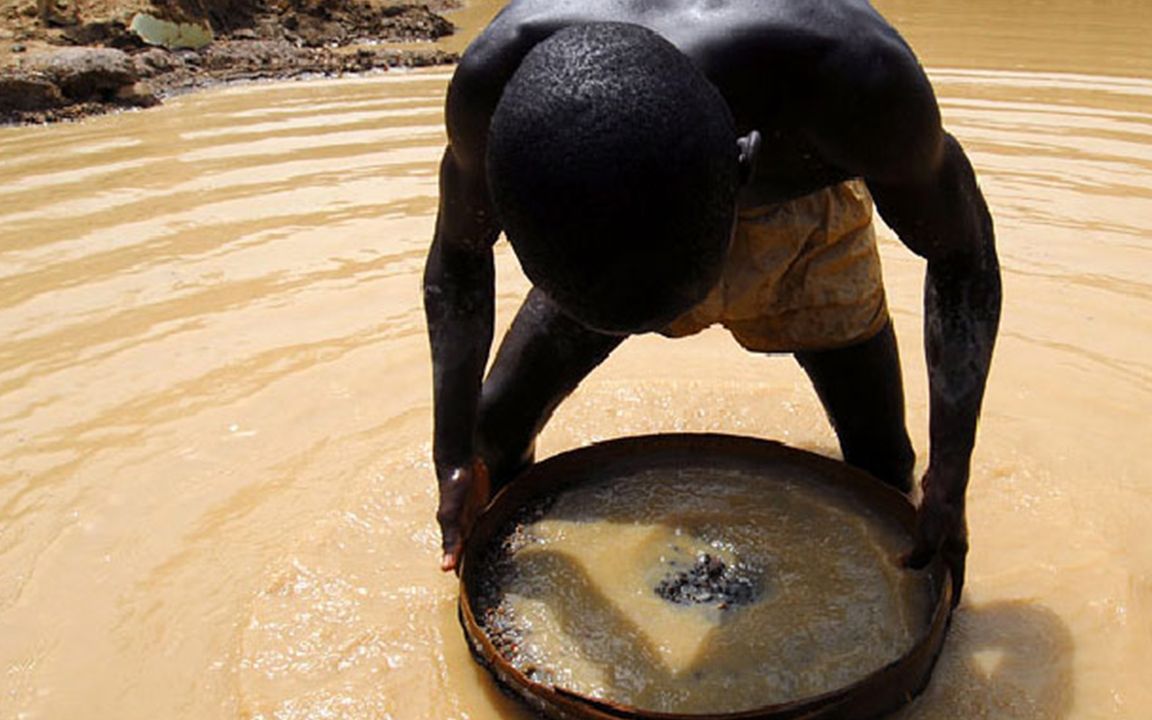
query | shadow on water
(1009,660)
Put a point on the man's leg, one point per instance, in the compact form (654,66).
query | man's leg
(540,362)
(863,393)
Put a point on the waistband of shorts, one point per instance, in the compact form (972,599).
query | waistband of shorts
(851,190)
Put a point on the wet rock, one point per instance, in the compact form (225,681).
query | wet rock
(84,74)
(28,93)
(156,61)
(136,95)
(190,57)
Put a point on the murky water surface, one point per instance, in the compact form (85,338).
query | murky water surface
(215,494)
(699,589)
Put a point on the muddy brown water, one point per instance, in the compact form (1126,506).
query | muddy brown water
(215,494)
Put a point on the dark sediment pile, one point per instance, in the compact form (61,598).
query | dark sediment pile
(74,66)
(710,581)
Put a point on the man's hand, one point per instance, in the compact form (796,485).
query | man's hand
(463,494)
(941,528)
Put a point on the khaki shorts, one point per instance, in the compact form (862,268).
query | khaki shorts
(801,275)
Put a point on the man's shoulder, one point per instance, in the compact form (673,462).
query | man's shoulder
(748,32)
(823,59)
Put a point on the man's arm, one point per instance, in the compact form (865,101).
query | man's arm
(459,292)
(876,116)
(941,216)
(459,288)
(459,278)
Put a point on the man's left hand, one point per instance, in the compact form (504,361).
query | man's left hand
(941,528)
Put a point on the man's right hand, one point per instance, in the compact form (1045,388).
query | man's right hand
(464,492)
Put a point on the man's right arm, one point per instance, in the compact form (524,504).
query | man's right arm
(459,280)
(459,291)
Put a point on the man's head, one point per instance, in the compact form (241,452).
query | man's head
(613,164)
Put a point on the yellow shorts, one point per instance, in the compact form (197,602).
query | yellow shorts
(800,275)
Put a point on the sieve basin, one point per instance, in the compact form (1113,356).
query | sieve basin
(873,695)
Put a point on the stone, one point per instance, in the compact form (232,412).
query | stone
(26,92)
(137,95)
(57,13)
(171,35)
(109,34)
(156,61)
(84,74)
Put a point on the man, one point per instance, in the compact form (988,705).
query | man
(662,165)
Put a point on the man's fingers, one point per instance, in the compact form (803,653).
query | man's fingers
(448,516)
(928,541)
(956,564)
(917,559)
(452,545)
(921,555)
(954,551)
(453,496)
(462,496)
(956,556)
(450,536)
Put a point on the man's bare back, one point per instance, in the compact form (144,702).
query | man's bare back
(832,88)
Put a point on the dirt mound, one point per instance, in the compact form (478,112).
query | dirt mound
(322,22)
(254,39)
(223,15)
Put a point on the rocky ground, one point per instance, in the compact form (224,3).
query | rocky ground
(63,59)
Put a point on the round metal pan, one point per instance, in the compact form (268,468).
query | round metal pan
(874,695)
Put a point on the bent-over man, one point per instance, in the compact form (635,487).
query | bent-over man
(665,165)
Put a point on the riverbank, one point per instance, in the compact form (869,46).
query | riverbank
(66,59)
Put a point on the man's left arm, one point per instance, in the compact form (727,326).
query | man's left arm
(941,216)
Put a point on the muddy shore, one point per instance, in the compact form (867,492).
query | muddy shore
(63,59)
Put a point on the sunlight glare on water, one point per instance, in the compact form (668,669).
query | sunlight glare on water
(216,498)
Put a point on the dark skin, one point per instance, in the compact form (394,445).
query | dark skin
(833,93)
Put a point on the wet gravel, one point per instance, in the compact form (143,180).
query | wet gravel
(710,581)
(494,615)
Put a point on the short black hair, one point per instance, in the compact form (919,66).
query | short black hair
(613,165)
